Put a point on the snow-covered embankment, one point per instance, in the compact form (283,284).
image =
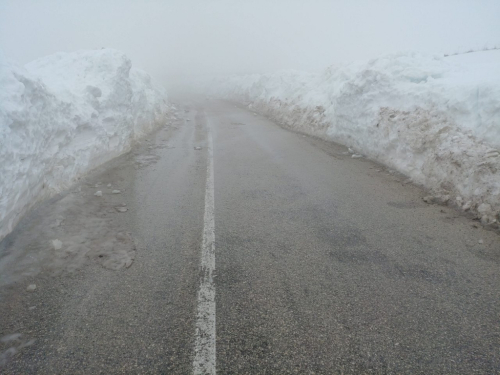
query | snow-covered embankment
(436,120)
(63,115)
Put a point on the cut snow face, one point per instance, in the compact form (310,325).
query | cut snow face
(433,119)
(63,115)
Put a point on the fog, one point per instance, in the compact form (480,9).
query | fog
(176,41)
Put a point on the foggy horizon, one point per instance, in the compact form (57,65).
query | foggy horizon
(178,41)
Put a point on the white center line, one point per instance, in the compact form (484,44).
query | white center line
(204,358)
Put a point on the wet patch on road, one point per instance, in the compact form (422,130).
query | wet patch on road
(405,205)
(66,233)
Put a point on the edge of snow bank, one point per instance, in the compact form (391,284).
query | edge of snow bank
(429,119)
(62,116)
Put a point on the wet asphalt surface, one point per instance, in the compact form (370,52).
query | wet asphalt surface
(324,265)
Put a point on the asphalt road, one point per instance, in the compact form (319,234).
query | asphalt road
(324,264)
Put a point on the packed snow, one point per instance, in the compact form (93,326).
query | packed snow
(435,119)
(63,115)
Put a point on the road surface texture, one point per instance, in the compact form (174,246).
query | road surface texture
(324,264)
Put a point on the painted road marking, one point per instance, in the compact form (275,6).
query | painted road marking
(204,358)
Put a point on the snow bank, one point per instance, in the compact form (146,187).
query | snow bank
(435,119)
(63,115)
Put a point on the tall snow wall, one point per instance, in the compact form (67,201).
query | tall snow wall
(434,119)
(63,115)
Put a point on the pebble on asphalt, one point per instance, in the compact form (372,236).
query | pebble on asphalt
(57,244)
(98,193)
(31,288)
(428,199)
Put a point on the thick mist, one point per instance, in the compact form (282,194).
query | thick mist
(181,41)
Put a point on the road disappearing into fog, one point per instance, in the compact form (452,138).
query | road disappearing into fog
(262,251)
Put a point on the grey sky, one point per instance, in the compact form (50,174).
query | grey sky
(174,39)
